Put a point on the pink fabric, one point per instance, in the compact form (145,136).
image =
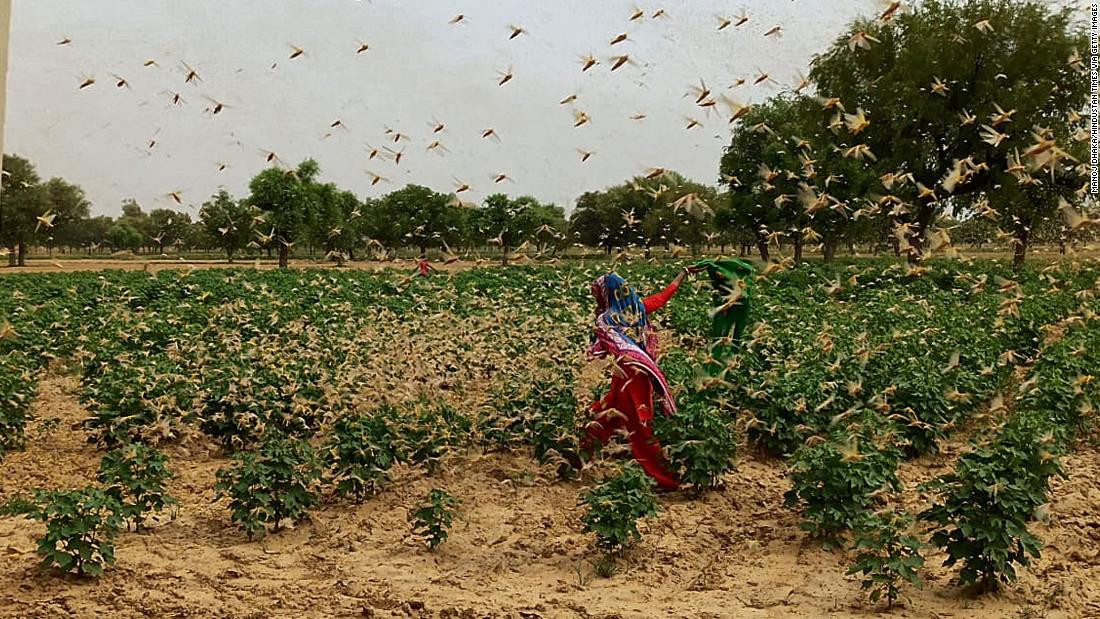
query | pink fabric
(610,342)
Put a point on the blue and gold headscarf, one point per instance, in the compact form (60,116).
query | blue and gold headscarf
(624,332)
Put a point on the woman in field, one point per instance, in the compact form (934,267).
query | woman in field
(423,268)
(624,333)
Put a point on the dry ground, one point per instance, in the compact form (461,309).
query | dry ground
(517,552)
(148,263)
(139,264)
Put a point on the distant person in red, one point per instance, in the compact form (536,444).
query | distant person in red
(624,333)
(423,267)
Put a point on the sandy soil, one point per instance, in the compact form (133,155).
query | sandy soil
(518,552)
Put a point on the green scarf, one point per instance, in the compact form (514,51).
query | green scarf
(723,274)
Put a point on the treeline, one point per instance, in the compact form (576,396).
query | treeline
(284,209)
(293,208)
(288,209)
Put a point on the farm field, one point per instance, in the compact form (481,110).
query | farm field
(856,385)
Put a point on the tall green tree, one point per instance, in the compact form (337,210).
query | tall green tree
(763,171)
(123,235)
(356,223)
(941,84)
(136,218)
(336,224)
(91,233)
(227,223)
(597,222)
(169,227)
(22,201)
(288,198)
(70,209)
(676,210)
(662,208)
(508,222)
(550,226)
(415,215)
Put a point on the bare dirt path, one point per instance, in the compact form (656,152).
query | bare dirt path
(139,264)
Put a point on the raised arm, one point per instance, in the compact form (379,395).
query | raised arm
(655,302)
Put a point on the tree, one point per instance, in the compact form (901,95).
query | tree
(657,209)
(194,236)
(354,224)
(287,197)
(595,221)
(22,201)
(1027,198)
(70,208)
(131,209)
(415,215)
(336,223)
(728,227)
(677,210)
(169,227)
(550,225)
(941,83)
(227,222)
(133,216)
(125,236)
(508,222)
(91,233)
(762,171)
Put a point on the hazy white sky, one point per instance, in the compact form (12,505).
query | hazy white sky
(418,69)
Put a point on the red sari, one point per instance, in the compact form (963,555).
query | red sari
(628,405)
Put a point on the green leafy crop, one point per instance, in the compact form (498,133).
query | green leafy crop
(834,482)
(81,526)
(700,441)
(432,520)
(360,453)
(134,475)
(614,507)
(984,506)
(273,483)
(888,553)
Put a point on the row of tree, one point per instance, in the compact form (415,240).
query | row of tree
(286,208)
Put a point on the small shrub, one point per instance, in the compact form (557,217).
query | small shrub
(80,528)
(700,443)
(17,390)
(238,417)
(551,426)
(270,484)
(13,424)
(360,453)
(134,476)
(544,418)
(428,433)
(834,481)
(615,506)
(887,555)
(984,507)
(605,567)
(132,403)
(432,520)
